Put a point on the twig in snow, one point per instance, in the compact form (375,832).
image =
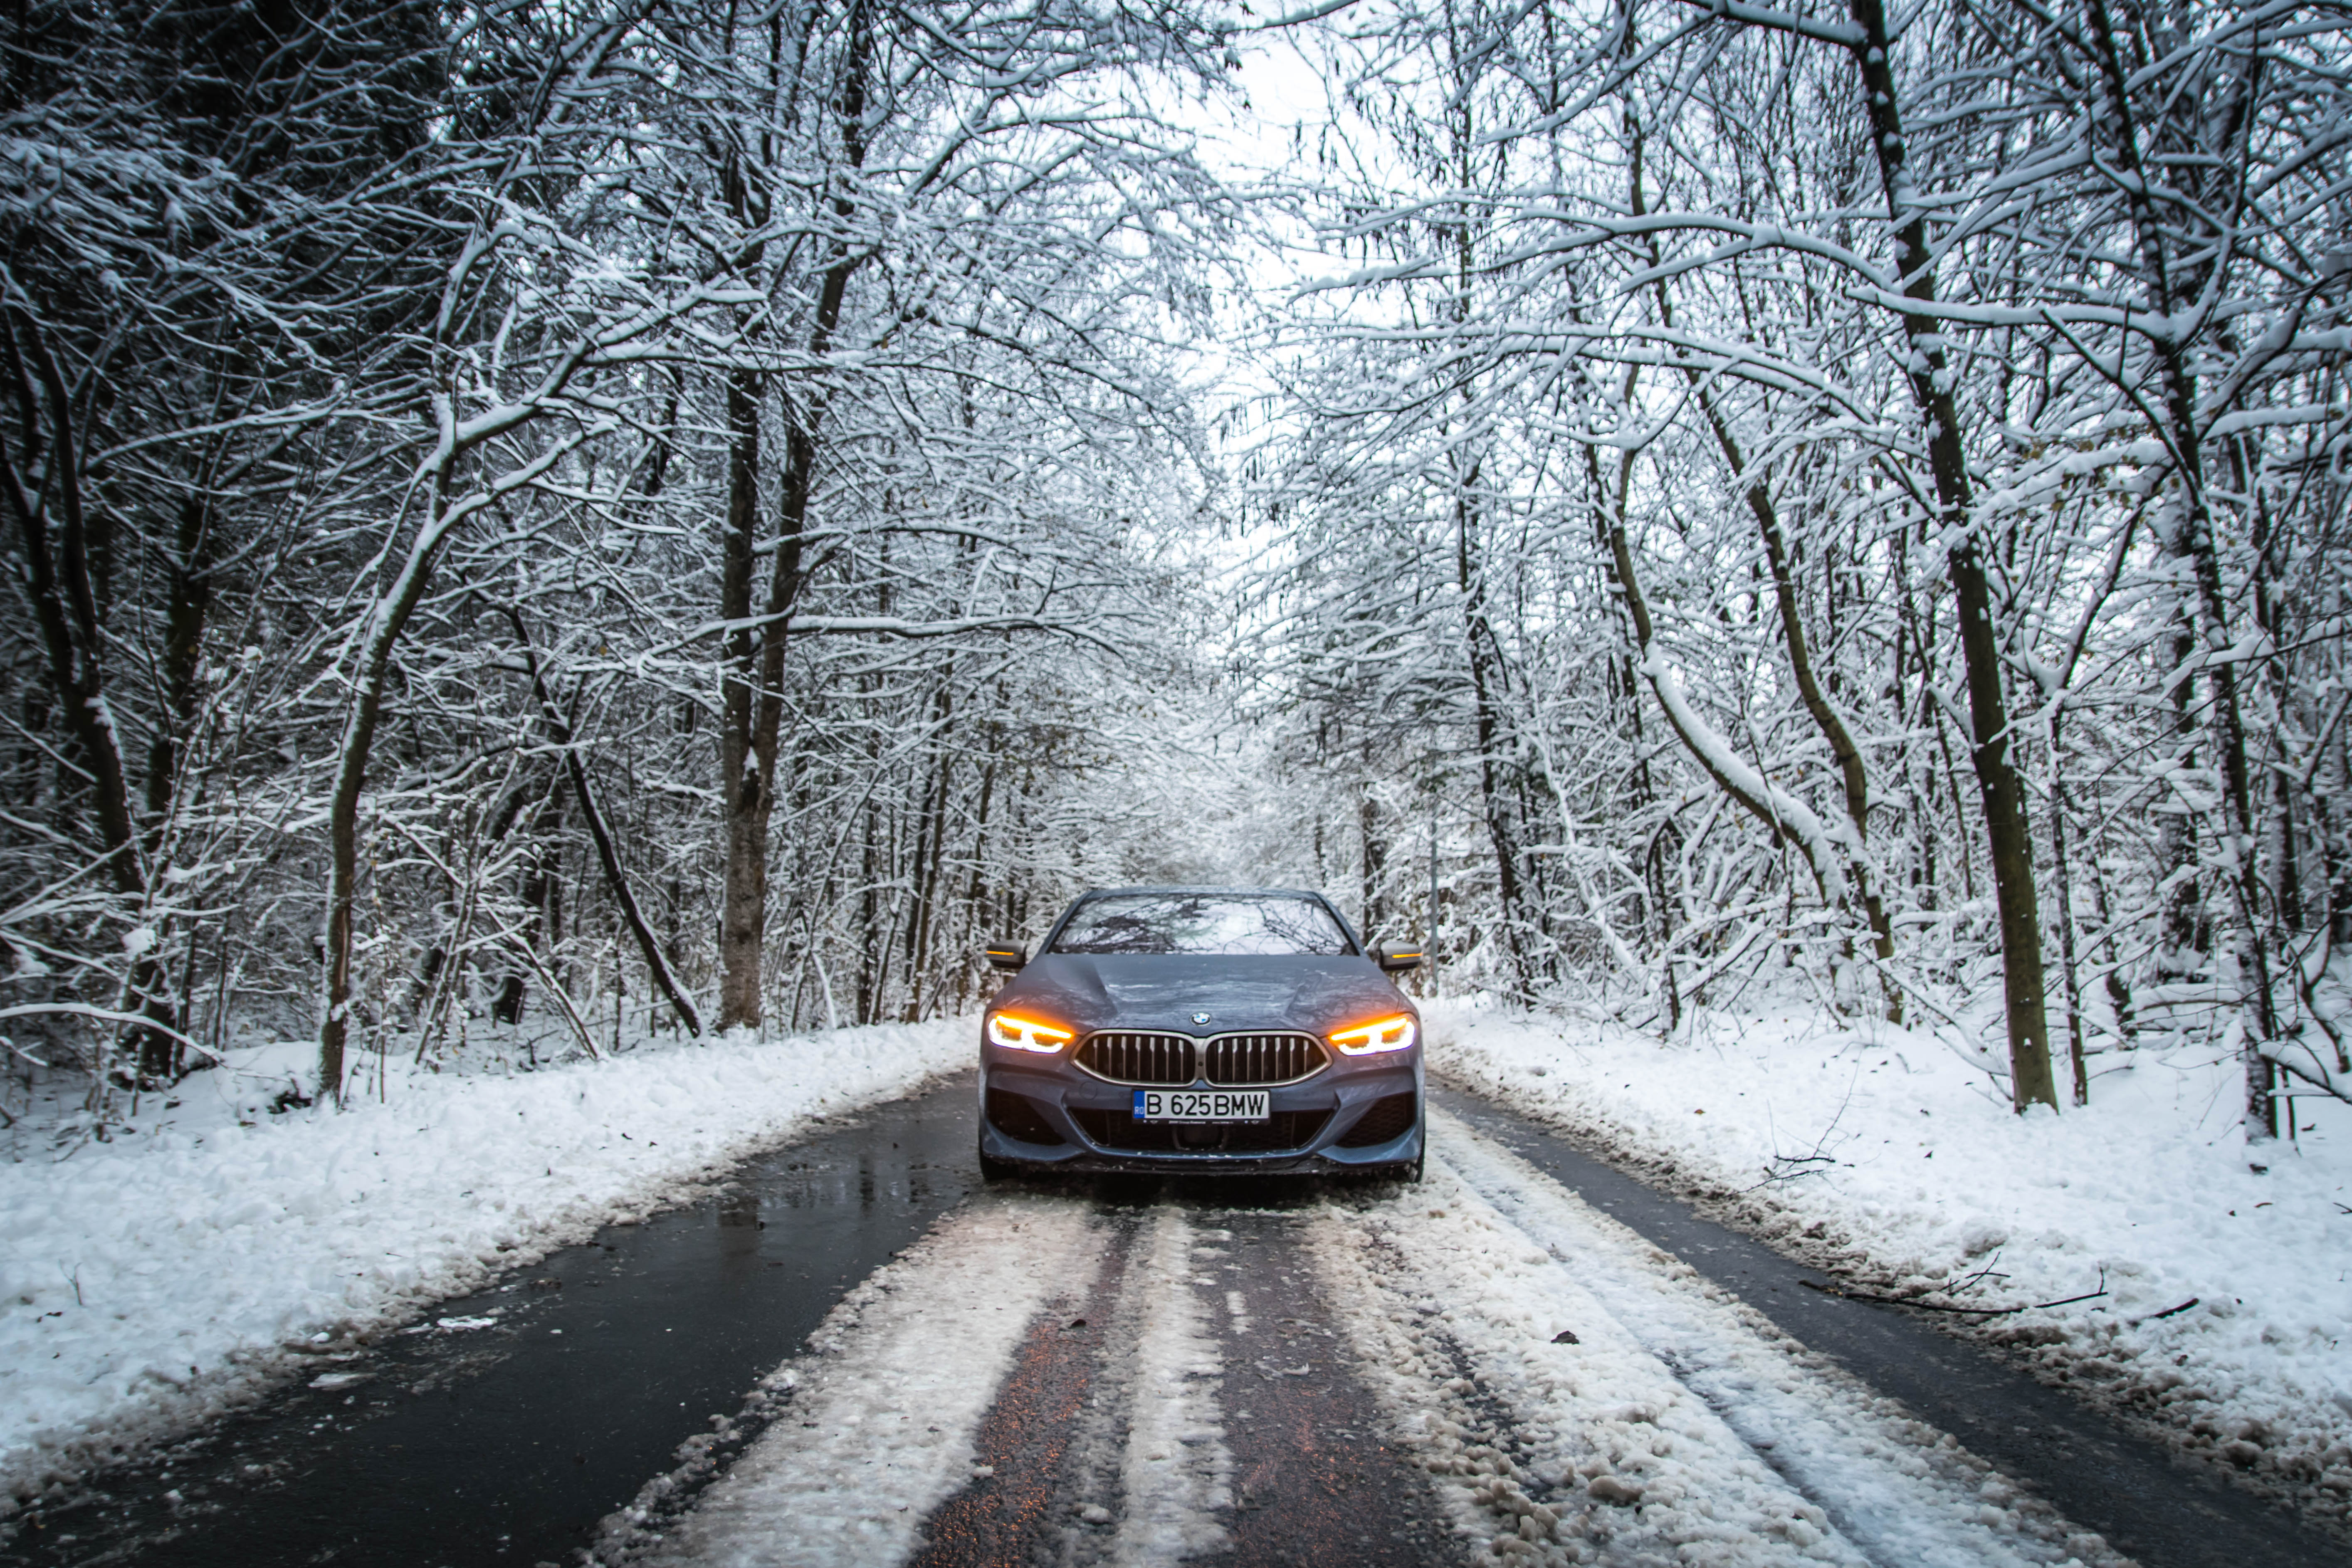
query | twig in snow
(1971,1282)
(1772,1175)
(1969,1311)
(2168,1313)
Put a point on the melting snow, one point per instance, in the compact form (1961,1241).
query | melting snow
(879,1426)
(1178,1471)
(1884,1153)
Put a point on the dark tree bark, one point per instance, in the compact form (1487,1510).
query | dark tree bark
(190,600)
(1485,679)
(742,781)
(752,713)
(1998,788)
(43,480)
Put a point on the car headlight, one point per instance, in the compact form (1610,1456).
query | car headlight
(1016,1033)
(1395,1033)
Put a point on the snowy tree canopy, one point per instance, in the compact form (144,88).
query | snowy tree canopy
(520,518)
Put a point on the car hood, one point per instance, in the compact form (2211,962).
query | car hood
(1090,991)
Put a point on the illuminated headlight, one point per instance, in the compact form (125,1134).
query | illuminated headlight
(1016,1033)
(1391,1034)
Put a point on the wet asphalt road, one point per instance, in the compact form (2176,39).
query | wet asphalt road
(507,1445)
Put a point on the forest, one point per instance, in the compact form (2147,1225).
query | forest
(532,521)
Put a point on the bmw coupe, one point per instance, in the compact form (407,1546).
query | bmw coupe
(1186,1030)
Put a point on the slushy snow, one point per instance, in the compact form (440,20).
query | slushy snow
(1892,1162)
(1177,1472)
(879,1426)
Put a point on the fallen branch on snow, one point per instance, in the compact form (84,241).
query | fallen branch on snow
(1845,1294)
(2168,1313)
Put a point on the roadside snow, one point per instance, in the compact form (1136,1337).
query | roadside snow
(148,1282)
(1898,1491)
(1538,1446)
(879,1426)
(1884,1156)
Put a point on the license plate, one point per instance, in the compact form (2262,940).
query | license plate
(1200,1105)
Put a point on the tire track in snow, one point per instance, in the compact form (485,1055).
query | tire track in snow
(1039,1446)
(1177,1473)
(1543,1453)
(1680,1426)
(1895,1490)
(1317,1482)
(1552,1452)
(957,1412)
(883,1413)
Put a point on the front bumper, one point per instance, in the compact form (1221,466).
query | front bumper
(1048,1115)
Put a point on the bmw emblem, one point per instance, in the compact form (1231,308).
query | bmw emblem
(1200,1017)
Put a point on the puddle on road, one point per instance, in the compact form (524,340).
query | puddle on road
(504,1444)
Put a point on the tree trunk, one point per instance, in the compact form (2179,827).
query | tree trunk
(1826,717)
(743,785)
(190,599)
(1486,676)
(385,625)
(2178,956)
(66,606)
(752,713)
(2001,793)
(606,854)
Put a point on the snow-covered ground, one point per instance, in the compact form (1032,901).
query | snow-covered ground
(149,1280)
(1553,1370)
(146,1281)
(1887,1158)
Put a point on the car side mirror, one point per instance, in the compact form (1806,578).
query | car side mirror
(1007,955)
(1394,956)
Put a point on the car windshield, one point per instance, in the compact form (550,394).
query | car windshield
(1203,923)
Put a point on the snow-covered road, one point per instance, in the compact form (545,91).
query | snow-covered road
(851,1352)
(1480,1367)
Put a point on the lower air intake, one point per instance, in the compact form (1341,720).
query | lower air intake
(1390,1116)
(1017,1116)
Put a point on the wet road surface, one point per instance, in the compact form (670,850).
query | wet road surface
(1235,1374)
(508,1444)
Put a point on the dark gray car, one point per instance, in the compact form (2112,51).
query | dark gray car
(1202,1029)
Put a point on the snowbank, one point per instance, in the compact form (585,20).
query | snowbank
(1883,1156)
(146,1282)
